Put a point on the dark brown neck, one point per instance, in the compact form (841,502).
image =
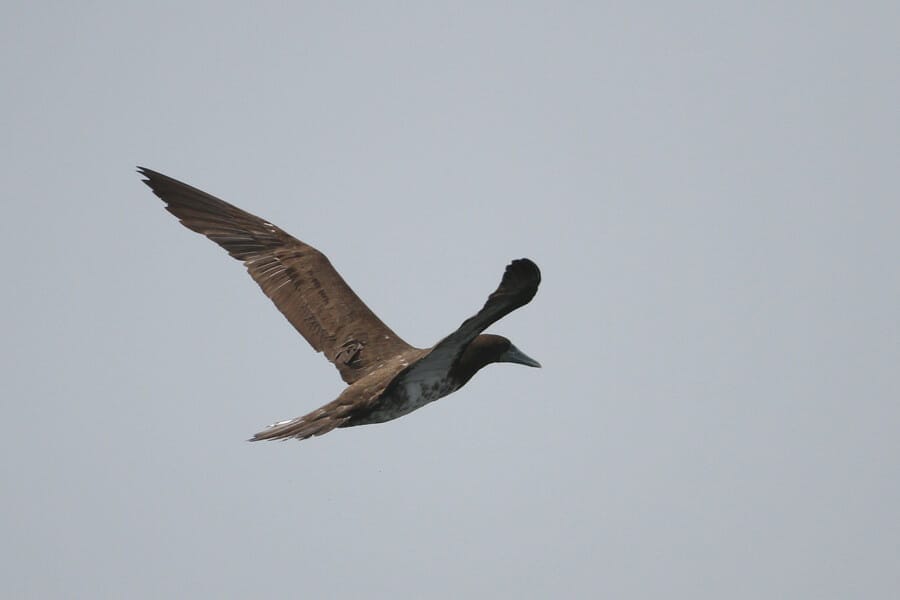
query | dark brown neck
(469,364)
(483,350)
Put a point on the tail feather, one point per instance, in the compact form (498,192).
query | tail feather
(318,422)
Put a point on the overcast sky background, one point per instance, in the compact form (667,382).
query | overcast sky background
(710,190)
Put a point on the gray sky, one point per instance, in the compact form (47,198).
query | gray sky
(711,192)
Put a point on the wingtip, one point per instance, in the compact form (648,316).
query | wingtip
(524,262)
(524,267)
(146,173)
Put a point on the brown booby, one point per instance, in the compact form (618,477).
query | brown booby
(386,377)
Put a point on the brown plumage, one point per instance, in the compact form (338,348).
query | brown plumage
(386,377)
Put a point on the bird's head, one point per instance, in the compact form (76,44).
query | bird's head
(486,349)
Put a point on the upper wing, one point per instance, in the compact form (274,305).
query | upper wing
(298,278)
(517,288)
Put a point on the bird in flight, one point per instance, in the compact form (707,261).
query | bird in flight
(386,377)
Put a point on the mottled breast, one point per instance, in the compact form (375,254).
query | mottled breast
(409,394)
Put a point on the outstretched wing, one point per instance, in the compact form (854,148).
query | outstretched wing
(517,288)
(298,278)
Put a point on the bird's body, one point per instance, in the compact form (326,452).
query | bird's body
(387,378)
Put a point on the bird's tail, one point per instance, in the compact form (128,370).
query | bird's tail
(317,422)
